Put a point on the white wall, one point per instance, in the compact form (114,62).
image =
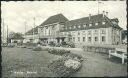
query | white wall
(108,36)
(18,40)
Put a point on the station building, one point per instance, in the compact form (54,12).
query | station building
(93,29)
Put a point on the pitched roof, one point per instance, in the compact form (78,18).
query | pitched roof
(85,20)
(55,19)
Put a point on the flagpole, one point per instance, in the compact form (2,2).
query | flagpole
(98,6)
(7,34)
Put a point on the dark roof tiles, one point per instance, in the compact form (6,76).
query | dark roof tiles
(17,36)
(55,19)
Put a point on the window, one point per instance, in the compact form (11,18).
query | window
(96,38)
(62,33)
(103,31)
(118,32)
(78,38)
(49,32)
(83,39)
(65,28)
(96,23)
(65,33)
(78,33)
(89,39)
(89,32)
(83,32)
(96,32)
(45,31)
(103,22)
(70,27)
(86,25)
(79,26)
(74,26)
(74,39)
(73,33)
(103,38)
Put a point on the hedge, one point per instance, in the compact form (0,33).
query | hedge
(58,51)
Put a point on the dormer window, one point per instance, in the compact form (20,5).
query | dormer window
(65,28)
(79,26)
(90,24)
(84,25)
(103,22)
(96,23)
(70,27)
(74,26)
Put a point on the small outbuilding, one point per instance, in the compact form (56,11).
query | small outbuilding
(17,38)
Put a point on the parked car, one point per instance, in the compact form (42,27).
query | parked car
(71,44)
(11,45)
(68,44)
(51,43)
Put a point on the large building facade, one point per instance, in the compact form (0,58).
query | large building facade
(94,29)
(48,31)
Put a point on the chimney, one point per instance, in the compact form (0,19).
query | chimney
(107,14)
(103,13)
(89,16)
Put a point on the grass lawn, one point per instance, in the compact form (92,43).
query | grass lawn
(19,62)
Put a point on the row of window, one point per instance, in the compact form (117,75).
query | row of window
(103,39)
(85,25)
(89,32)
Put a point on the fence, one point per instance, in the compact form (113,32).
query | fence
(102,48)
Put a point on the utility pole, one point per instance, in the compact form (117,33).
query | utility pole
(25,29)
(3,32)
(7,34)
(25,26)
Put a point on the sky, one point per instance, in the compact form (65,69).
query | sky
(16,13)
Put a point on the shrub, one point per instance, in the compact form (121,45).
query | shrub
(72,64)
(43,44)
(23,46)
(60,67)
(73,56)
(4,44)
(37,49)
(51,43)
(58,45)
(30,47)
(10,45)
(63,43)
(45,49)
(58,51)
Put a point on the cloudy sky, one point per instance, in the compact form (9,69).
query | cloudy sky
(16,13)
